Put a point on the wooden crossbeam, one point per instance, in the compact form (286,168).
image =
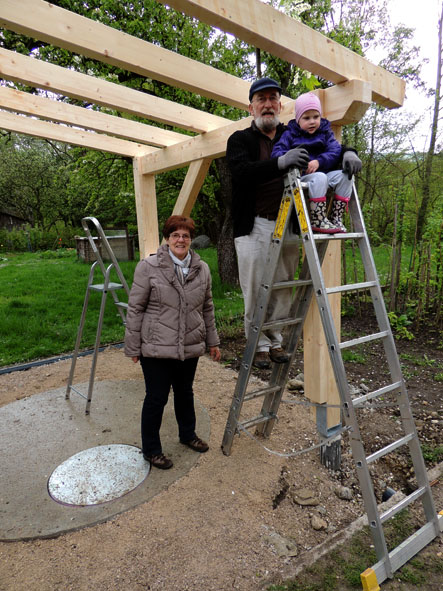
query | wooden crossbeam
(213,144)
(77,137)
(82,35)
(263,26)
(53,110)
(37,73)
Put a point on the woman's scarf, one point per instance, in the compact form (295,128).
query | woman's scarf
(181,267)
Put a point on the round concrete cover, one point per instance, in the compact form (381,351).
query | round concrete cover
(98,475)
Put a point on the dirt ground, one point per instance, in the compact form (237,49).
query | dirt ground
(231,522)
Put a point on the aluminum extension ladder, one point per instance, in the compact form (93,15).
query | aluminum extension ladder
(104,288)
(310,282)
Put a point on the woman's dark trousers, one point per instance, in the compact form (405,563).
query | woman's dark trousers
(160,375)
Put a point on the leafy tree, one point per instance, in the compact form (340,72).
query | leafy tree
(32,180)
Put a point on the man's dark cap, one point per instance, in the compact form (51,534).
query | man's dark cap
(263,84)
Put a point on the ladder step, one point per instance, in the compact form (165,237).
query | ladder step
(295,283)
(351,287)
(339,236)
(389,448)
(258,420)
(122,305)
(281,323)
(101,286)
(262,392)
(365,339)
(407,549)
(390,388)
(402,504)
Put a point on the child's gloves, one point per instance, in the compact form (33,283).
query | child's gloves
(351,163)
(297,157)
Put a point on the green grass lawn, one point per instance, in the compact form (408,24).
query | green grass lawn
(41,300)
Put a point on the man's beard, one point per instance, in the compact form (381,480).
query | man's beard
(267,124)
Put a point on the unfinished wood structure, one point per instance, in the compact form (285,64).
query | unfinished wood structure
(356,81)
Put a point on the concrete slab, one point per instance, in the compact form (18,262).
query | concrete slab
(39,433)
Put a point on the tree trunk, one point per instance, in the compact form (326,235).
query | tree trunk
(227,259)
(431,152)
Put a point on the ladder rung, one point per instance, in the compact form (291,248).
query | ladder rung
(121,305)
(358,401)
(402,504)
(281,323)
(351,287)
(101,286)
(338,236)
(366,339)
(389,448)
(257,420)
(294,283)
(407,549)
(262,392)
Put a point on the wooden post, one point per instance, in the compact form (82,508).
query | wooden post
(146,206)
(320,385)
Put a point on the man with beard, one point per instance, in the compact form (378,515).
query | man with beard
(257,188)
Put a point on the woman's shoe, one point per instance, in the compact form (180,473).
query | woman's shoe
(159,461)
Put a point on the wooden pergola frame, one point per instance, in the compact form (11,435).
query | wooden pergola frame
(356,81)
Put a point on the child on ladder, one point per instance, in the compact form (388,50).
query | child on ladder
(313,132)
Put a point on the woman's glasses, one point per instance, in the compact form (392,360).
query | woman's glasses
(176,236)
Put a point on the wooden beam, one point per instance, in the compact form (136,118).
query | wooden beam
(82,35)
(194,180)
(213,144)
(53,110)
(37,73)
(320,384)
(69,135)
(146,207)
(263,26)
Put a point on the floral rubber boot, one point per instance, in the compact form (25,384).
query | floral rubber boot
(339,207)
(319,221)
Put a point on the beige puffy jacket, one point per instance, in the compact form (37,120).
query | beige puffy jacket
(166,319)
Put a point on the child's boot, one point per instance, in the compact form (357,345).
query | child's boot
(319,221)
(339,207)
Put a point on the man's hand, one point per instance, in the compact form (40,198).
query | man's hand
(297,157)
(351,163)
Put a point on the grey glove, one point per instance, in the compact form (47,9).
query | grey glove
(297,157)
(351,163)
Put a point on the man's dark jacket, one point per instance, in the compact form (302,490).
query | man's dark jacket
(242,154)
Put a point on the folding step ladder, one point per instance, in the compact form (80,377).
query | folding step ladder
(104,288)
(311,282)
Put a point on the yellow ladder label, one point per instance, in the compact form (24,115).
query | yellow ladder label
(281,218)
(300,210)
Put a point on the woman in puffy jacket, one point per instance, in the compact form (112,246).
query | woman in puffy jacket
(169,324)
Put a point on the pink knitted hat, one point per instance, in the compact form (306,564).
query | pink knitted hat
(306,102)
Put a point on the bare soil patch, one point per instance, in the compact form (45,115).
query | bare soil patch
(231,522)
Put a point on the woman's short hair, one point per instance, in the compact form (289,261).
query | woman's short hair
(175,222)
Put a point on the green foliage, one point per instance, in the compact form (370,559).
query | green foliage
(353,357)
(34,239)
(432,454)
(399,324)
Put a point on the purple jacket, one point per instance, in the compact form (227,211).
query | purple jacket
(321,145)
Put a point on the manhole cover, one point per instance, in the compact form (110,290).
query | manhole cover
(98,475)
